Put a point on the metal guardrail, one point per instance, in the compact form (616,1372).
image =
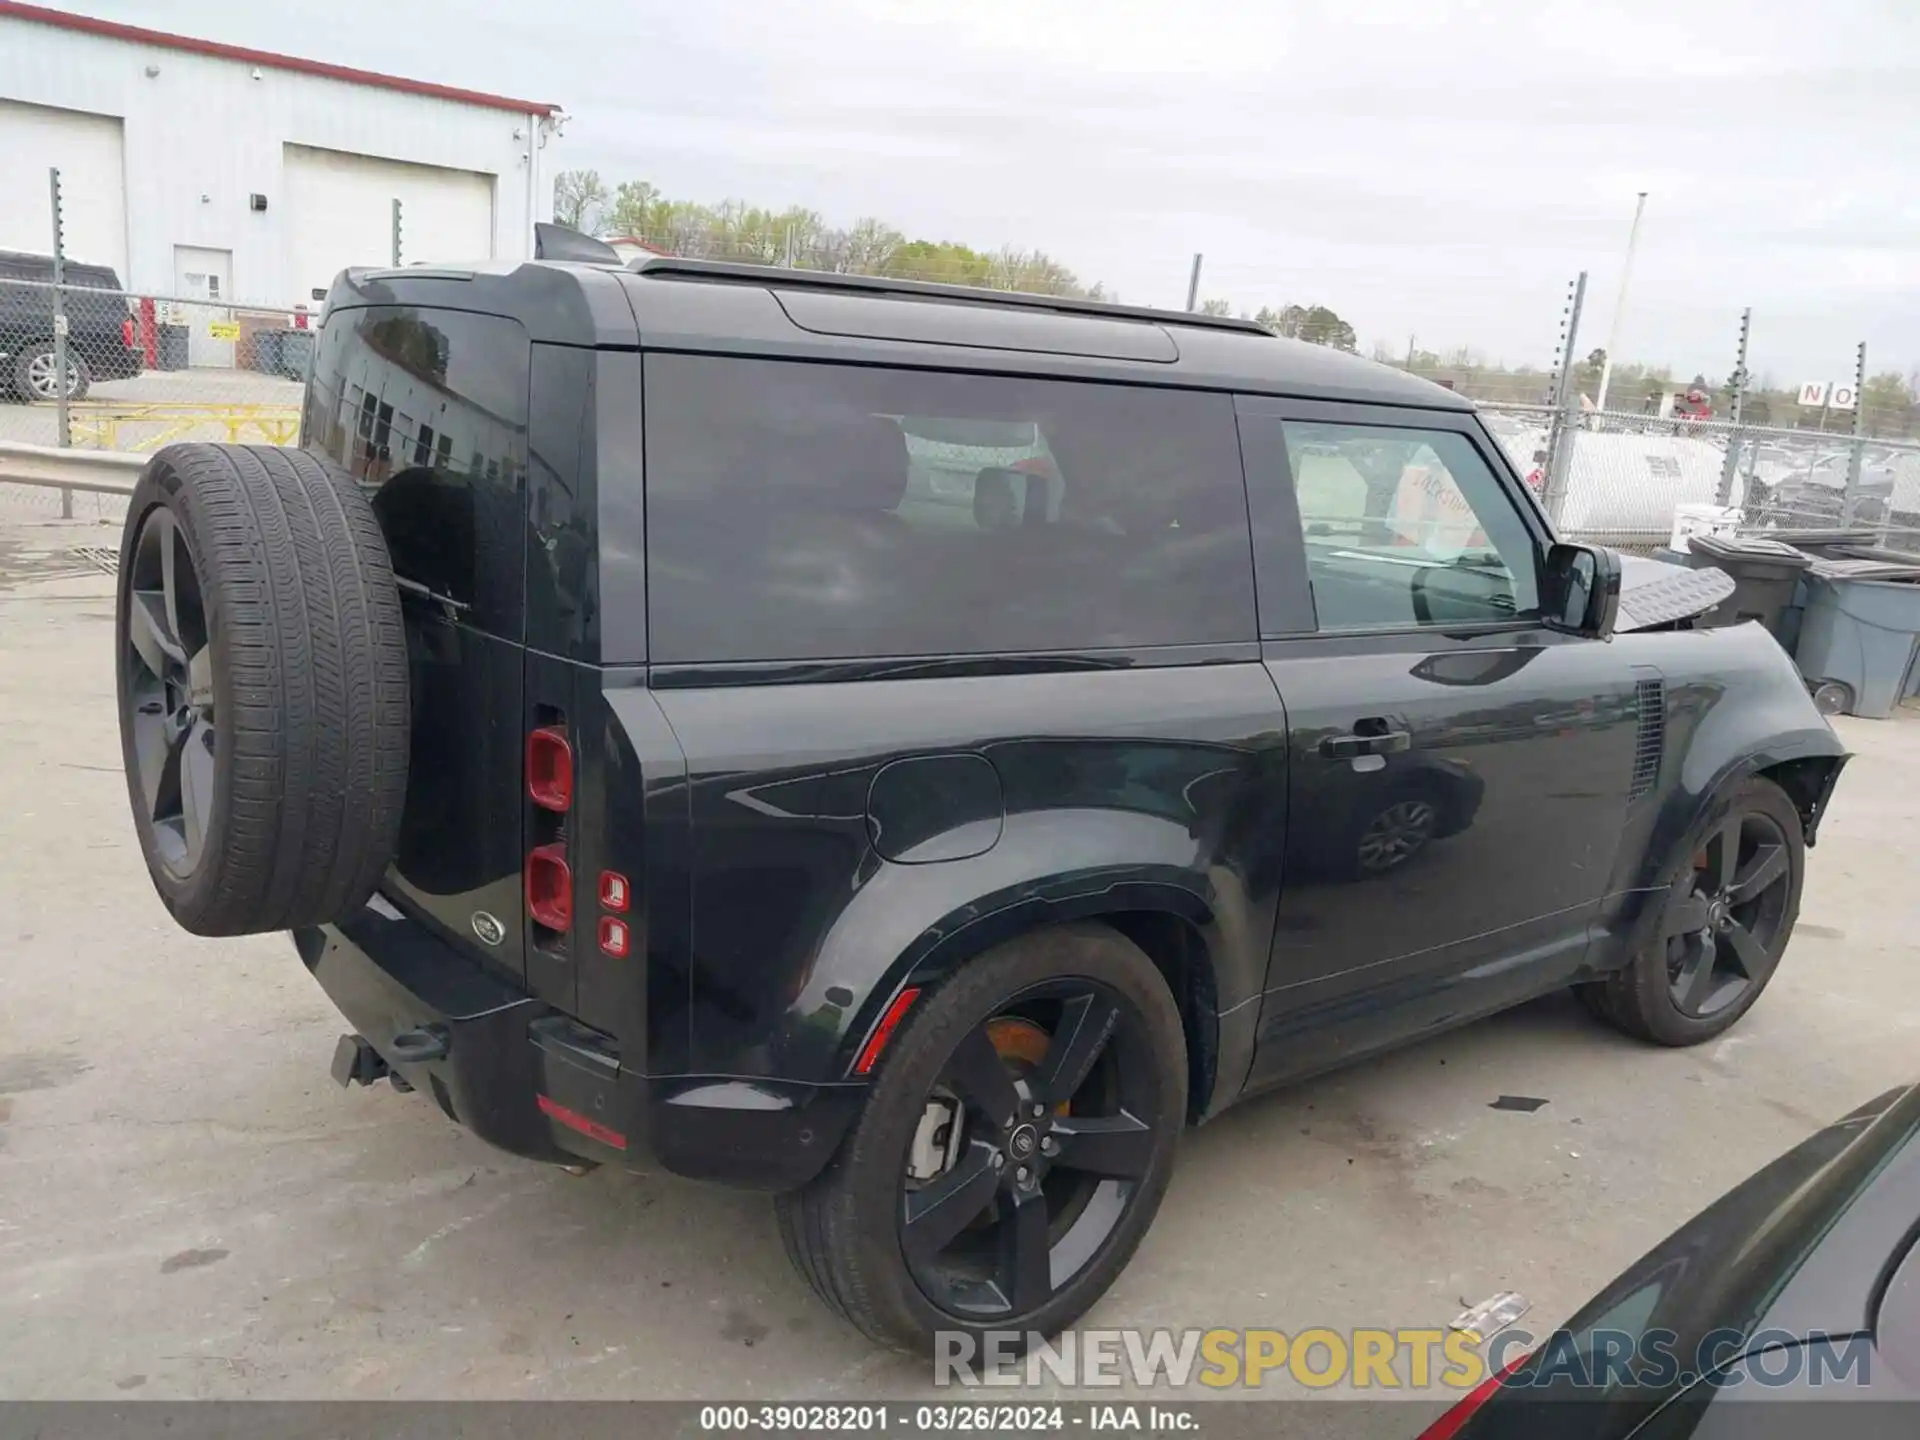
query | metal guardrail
(96,472)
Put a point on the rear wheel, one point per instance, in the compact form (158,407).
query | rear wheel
(36,374)
(1724,923)
(1013,1152)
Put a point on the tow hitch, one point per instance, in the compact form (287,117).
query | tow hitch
(356,1062)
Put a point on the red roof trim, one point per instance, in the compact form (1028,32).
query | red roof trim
(87,24)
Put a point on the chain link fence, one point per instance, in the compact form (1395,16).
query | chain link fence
(1616,478)
(143,371)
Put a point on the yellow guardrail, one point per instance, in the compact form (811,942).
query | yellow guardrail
(97,424)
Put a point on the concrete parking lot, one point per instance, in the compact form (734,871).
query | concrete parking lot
(204,404)
(190,1208)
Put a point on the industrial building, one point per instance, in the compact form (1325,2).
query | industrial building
(208,171)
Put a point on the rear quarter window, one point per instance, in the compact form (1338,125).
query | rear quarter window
(427,409)
(830,512)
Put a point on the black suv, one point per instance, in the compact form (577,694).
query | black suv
(100,332)
(913,750)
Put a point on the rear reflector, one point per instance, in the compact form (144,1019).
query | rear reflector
(615,893)
(883,1032)
(574,1120)
(615,937)
(550,887)
(550,769)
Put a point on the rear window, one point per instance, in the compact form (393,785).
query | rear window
(428,410)
(827,512)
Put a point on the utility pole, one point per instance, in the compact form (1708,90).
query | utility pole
(396,232)
(1620,303)
(1731,465)
(61,378)
(1410,350)
(1193,283)
(1854,461)
(1566,412)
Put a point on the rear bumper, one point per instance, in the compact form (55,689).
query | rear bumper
(527,1078)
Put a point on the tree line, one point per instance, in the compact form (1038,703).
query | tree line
(799,238)
(803,239)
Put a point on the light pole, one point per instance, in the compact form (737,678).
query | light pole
(1620,303)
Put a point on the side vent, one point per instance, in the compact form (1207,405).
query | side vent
(1650,703)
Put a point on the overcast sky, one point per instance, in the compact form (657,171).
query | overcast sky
(1438,168)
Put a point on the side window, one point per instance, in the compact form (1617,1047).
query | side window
(428,410)
(1406,527)
(824,512)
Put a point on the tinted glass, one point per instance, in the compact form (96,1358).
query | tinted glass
(823,512)
(1407,527)
(428,409)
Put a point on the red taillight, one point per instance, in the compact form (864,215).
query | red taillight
(574,1120)
(126,332)
(550,887)
(615,936)
(1450,1424)
(615,893)
(883,1032)
(550,769)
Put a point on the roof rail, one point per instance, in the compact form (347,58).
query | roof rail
(671,267)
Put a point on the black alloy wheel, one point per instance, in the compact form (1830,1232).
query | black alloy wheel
(1724,918)
(170,692)
(1018,1137)
(1040,1151)
(1721,928)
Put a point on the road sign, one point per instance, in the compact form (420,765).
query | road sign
(1840,397)
(1813,393)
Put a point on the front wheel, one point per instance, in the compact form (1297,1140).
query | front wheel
(1728,912)
(1012,1153)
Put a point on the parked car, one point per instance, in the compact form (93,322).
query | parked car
(657,768)
(101,344)
(1799,1286)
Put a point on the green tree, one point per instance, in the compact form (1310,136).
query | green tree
(579,198)
(1216,307)
(1315,324)
(1888,404)
(751,234)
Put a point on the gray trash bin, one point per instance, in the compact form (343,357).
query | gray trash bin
(1765,575)
(1859,641)
(267,350)
(296,354)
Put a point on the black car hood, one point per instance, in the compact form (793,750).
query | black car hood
(1653,592)
(1739,1265)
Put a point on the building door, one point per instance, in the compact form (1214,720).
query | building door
(204,280)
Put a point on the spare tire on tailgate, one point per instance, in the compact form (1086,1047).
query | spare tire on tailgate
(261,664)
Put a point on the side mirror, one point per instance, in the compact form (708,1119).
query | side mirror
(1580,592)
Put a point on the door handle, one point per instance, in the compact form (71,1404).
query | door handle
(1348,747)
